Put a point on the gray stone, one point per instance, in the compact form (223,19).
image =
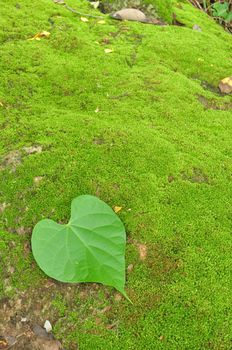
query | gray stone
(130,15)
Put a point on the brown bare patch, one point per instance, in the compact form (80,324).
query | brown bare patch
(214,104)
(197,176)
(148,300)
(113,325)
(31,308)
(106,41)
(23,230)
(118,297)
(171,178)
(98,140)
(209,87)
(160,262)
(105,309)
(12,160)
(27,341)
(33,149)
(116,186)
(142,248)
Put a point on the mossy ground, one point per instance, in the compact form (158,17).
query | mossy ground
(131,128)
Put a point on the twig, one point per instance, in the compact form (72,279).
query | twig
(16,340)
(125,94)
(196,3)
(82,14)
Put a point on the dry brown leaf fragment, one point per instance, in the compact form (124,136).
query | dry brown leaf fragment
(40,35)
(130,268)
(225,85)
(113,325)
(117,297)
(11,270)
(117,209)
(7,342)
(33,149)
(3,343)
(105,309)
(142,251)
(98,321)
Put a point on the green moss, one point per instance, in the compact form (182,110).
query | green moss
(16,261)
(163,7)
(137,128)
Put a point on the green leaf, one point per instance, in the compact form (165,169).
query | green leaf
(90,248)
(229,17)
(221,9)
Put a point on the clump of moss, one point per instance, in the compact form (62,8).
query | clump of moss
(17,269)
(163,7)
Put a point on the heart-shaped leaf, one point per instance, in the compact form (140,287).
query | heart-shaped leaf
(90,248)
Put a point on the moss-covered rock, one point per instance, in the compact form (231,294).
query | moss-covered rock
(155,8)
(164,8)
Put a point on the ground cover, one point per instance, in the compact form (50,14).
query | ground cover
(143,127)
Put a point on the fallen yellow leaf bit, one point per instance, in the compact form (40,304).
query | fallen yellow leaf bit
(40,35)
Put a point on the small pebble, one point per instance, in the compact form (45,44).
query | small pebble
(48,326)
(196,27)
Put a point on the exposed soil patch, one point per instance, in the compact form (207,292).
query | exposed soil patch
(210,87)
(142,248)
(161,263)
(28,340)
(98,140)
(23,316)
(155,258)
(33,149)
(213,104)
(197,176)
(14,158)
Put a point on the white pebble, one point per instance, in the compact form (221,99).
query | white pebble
(48,326)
